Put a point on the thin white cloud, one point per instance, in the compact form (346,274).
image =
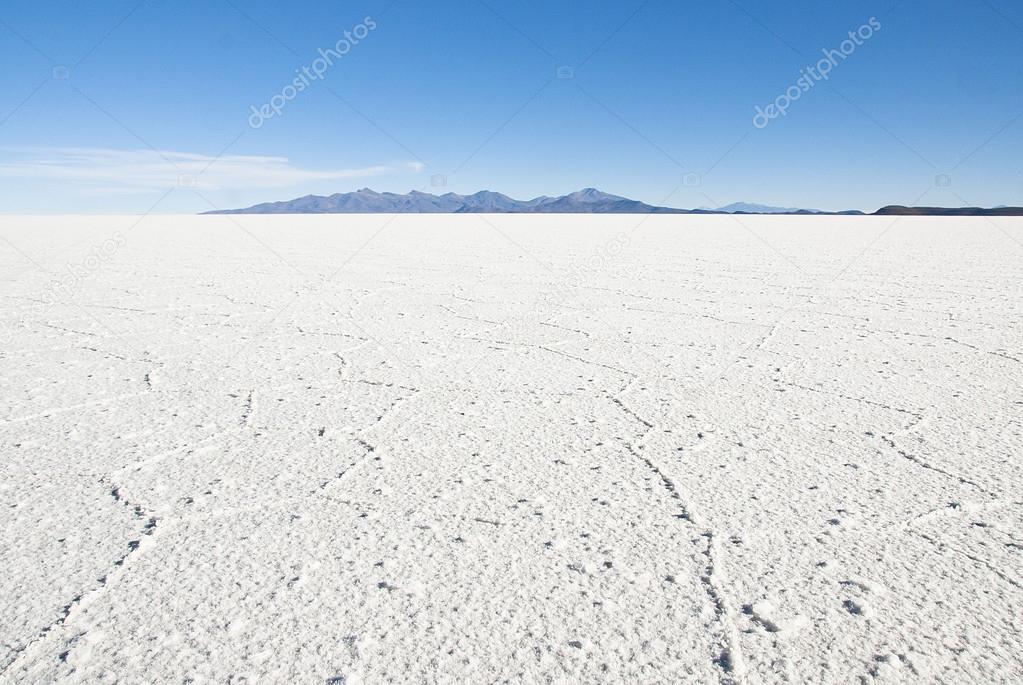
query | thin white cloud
(105,170)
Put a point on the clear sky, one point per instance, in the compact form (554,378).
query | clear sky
(130,106)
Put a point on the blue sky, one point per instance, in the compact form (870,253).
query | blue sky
(136,106)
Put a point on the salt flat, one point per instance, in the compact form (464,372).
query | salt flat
(522,449)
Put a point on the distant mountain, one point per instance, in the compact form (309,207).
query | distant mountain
(366,201)
(899,210)
(585,201)
(753,208)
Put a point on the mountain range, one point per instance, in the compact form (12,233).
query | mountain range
(585,201)
(753,208)
(899,210)
(366,201)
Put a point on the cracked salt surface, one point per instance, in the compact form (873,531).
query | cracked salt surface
(774,451)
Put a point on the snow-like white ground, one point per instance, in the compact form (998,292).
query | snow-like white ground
(465,449)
